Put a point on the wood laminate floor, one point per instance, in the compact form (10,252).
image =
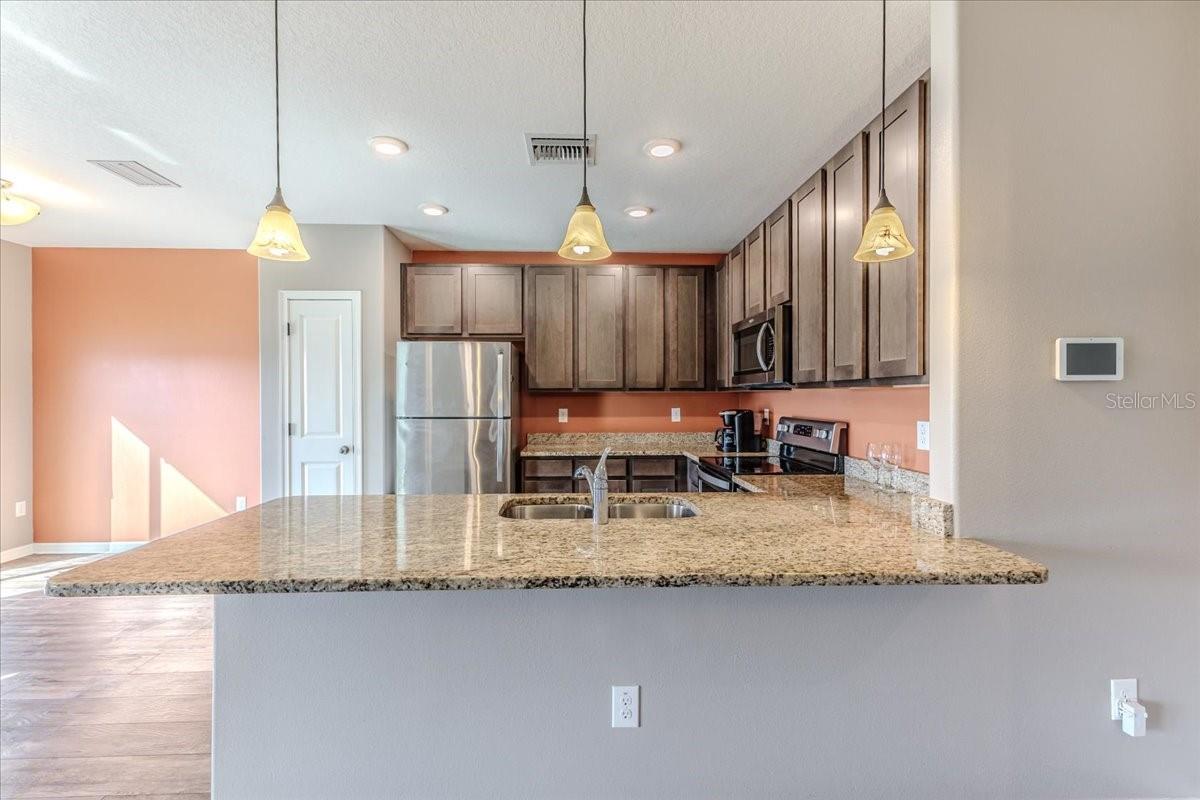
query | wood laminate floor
(101,697)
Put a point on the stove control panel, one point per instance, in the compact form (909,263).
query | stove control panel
(827,436)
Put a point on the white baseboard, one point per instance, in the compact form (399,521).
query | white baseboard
(16,552)
(81,548)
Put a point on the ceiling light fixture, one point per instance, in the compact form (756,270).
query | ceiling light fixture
(388,146)
(883,237)
(662,148)
(277,237)
(433,210)
(584,240)
(637,212)
(14,209)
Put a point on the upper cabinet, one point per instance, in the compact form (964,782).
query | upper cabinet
(644,331)
(735,265)
(433,300)
(686,322)
(896,289)
(600,327)
(846,287)
(724,330)
(492,300)
(756,272)
(550,327)
(779,255)
(808,281)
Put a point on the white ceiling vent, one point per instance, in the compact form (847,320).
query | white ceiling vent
(135,172)
(546,149)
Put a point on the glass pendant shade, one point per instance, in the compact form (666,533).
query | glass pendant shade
(14,209)
(884,238)
(585,235)
(277,237)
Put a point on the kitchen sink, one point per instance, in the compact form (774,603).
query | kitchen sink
(547,511)
(617,510)
(650,510)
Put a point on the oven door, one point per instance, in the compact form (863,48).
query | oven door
(761,355)
(707,479)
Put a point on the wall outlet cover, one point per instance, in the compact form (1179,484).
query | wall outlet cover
(626,707)
(21,508)
(562,415)
(239,504)
(923,434)
(676,415)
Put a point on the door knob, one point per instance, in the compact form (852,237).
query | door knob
(344,449)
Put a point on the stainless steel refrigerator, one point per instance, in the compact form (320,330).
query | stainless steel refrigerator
(455,405)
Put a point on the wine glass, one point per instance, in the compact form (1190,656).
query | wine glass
(891,455)
(875,459)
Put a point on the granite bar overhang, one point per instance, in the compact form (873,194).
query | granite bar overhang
(815,534)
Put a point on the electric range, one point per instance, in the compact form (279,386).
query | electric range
(806,447)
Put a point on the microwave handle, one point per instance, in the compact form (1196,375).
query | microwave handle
(760,346)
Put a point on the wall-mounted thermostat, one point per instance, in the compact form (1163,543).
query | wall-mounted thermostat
(1089,358)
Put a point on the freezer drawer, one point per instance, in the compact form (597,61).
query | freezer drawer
(454,456)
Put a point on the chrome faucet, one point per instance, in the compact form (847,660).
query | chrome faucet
(597,481)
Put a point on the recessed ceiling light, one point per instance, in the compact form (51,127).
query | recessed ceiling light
(388,146)
(662,148)
(637,212)
(433,210)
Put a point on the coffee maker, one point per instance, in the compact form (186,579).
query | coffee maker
(736,433)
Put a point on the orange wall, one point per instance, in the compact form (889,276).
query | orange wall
(623,412)
(145,387)
(875,414)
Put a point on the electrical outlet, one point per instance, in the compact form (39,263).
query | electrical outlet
(923,434)
(21,508)
(626,707)
(239,504)
(676,415)
(562,415)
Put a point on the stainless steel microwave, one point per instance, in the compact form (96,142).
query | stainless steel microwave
(762,348)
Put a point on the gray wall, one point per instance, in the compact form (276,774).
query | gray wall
(344,258)
(16,394)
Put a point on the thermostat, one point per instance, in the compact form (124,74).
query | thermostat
(1089,358)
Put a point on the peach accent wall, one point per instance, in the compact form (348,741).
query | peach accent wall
(875,414)
(145,390)
(616,412)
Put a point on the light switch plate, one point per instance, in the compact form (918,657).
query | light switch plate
(21,508)
(923,434)
(676,415)
(562,415)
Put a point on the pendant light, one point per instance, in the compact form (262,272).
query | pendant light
(277,237)
(584,240)
(883,238)
(14,209)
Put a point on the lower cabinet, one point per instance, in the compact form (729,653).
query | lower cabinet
(630,474)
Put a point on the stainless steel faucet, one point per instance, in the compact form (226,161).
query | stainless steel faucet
(597,481)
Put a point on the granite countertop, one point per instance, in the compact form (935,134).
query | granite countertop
(583,445)
(814,534)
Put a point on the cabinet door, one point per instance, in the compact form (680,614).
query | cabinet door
(432,300)
(723,333)
(808,281)
(896,289)
(644,330)
(686,321)
(652,485)
(846,291)
(600,328)
(736,264)
(492,304)
(756,272)
(550,327)
(779,254)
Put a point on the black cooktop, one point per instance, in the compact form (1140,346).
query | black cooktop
(767,465)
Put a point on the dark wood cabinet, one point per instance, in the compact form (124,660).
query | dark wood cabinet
(550,326)
(625,474)
(600,328)
(756,271)
(808,281)
(735,264)
(778,233)
(723,330)
(644,331)
(492,300)
(432,300)
(846,290)
(896,289)
(686,321)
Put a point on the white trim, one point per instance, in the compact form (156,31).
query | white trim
(355,298)
(70,548)
(20,551)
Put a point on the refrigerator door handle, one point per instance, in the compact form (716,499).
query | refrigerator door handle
(498,393)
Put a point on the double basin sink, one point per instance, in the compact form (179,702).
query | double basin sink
(616,510)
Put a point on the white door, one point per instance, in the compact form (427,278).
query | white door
(323,397)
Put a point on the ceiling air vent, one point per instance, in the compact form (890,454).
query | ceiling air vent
(544,149)
(135,172)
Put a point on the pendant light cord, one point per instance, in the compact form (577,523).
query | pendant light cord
(277,182)
(882,96)
(585,133)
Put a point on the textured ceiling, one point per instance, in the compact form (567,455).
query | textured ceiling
(761,93)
